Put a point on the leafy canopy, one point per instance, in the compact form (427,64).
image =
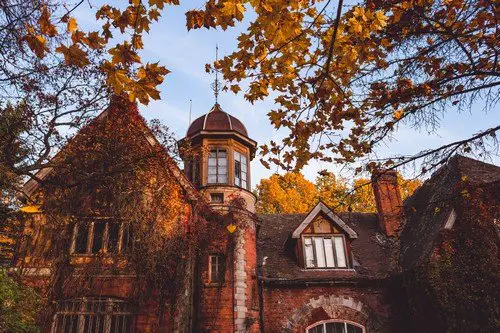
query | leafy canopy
(292,193)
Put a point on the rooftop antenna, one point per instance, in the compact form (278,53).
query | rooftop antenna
(216,86)
(190,110)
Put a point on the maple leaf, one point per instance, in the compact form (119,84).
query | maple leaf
(124,54)
(37,44)
(73,55)
(117,79)
(234,9)
(46,26)
(72,25)
(398,114)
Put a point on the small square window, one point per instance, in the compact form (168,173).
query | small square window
(217,198)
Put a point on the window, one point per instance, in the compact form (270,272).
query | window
(326,251)
(336,327)
(193,171)
(240,170)
(217,166)
(217,198)
(215,268)
(92,314)
(91,236)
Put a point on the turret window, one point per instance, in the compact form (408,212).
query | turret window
(240,170)
(217,166)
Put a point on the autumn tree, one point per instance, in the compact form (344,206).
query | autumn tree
(366,70)
(288,193)
(332,190)
(292,193)
(363,200)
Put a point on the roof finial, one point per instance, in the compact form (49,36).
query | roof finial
(216,86)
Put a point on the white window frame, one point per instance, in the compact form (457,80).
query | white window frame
(238,181)
(324,322)
(90,236)
(335,258)
(78,307)
(217,174)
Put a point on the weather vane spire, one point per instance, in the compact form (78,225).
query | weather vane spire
(216,85)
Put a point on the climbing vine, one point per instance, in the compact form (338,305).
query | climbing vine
(457,289)
(115,170)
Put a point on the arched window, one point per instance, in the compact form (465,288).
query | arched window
(93,314)
(335,327)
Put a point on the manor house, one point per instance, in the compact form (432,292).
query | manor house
(321,271)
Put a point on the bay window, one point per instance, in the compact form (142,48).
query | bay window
(325,251)
(217,166)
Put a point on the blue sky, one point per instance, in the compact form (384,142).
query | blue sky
(186,53)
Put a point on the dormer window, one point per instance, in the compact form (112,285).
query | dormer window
(217,166)
(324,251)
(240,170)
(323,240)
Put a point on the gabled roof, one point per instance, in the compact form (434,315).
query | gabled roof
(322,208)
(32,185)
(429,208)
(276,249)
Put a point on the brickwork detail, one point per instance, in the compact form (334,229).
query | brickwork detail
(240,285)
(333,306)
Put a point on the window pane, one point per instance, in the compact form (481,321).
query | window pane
(217,197)
(98,237)
(320,252)
(216,262)
(354,329)
(335,328)
(212,161)
(222,179)
(113,236)
(237,169)
(222,161)
(222,170)
(82,238)
(244,184)
(329,252)
(212,170)
(339,249)
(317,329)
(244,163)
(222,153)
(309,252)
(213,153)
(127,238)
(212,179)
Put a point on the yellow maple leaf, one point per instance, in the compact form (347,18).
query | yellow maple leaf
(231,228)
(235,9)
(72,25)
(31,209)
(398,114)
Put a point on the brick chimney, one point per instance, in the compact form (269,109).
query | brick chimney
(388,200)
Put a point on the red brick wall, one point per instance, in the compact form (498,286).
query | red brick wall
(293,309)
(216,303)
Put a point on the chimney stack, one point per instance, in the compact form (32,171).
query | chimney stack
(388,200)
